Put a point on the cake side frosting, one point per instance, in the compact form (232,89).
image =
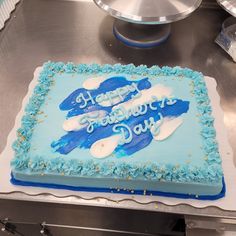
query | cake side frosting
(210,172)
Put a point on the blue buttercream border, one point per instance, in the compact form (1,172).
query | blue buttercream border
(121,191)
(211,172)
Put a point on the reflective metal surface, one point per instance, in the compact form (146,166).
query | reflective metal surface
(77,220)
(139,35)
(229,6)
(42,30)
(149,11)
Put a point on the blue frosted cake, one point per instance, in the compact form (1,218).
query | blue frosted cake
(119,129)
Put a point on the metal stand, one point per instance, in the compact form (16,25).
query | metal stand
(141,36)
(144,23)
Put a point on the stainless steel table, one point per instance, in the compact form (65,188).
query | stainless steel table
(78,31)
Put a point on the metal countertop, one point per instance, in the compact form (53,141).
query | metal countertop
(78,31)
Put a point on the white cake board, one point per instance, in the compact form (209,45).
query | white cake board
(226,203)
(6,7)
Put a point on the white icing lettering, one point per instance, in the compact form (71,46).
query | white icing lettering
(142,109)
(138,129)
(125,132)
(140,103)
(90,119)
(167,101)
(171,101)
(135,111)
(99,98)
(85,100)
(149,124)
(80,121)
(155,129)
(122,92)
(90,127)
(150,103)
(158,91)
(118,115)
(116,96)
(162,104)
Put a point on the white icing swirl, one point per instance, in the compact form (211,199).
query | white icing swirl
(93,83)
(167,128)
(104,147)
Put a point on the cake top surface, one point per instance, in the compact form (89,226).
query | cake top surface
(119,121)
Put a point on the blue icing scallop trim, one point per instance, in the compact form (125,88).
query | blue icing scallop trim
(210,173)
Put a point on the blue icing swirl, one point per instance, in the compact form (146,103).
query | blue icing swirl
(83,139)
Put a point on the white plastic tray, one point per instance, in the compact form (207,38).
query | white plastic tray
(6,7)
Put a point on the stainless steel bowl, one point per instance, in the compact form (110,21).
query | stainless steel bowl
(149,11)
(229,6)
